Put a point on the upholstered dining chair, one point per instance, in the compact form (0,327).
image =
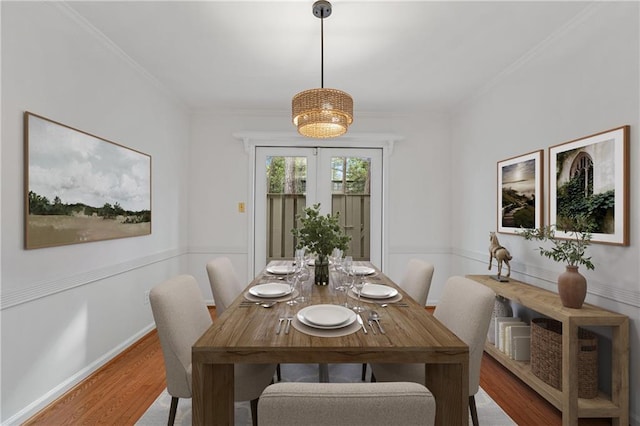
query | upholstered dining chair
(225,287)
(181,317)
(416,282)
(348,404)
(224,282)
(465,308)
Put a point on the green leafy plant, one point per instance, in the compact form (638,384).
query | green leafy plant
(320,234)
(570,251)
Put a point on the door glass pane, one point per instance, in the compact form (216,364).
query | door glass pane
(351,197)
(286,198)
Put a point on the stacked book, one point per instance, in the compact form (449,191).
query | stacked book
(513,338)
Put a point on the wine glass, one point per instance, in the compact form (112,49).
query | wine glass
(334,257)
(300,258)
(347,278)
(337,282)
(359,282)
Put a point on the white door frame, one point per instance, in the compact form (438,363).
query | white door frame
(251,140)
(260,188)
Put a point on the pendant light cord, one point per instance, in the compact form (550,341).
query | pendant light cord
(322,51)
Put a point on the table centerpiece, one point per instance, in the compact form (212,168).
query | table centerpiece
(320,234)
(572,286)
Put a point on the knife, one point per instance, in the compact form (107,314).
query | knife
(359,318)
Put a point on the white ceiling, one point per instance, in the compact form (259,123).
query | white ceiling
(389,55)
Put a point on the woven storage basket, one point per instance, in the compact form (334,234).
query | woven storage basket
(546,356)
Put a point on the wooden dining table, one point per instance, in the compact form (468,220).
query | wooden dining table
(246,334)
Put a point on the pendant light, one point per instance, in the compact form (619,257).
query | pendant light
(322,113)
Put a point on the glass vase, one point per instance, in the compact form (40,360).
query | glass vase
(321,270)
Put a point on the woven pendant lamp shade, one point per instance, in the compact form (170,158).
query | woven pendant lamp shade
(322,113)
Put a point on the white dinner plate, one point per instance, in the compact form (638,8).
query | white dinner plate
(270,290)
(280,269)
(363,270)
(326,316)
(378,291)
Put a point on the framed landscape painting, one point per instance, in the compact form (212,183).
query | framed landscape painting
(80,187)
(589,179)
(520,192)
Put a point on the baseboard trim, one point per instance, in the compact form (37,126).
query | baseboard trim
(64,387)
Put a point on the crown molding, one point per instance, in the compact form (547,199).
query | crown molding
(531,54)
(98,35)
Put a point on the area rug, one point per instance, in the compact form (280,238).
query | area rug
(489,413)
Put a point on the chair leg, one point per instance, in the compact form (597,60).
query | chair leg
(364,371)
(254,412)
(278,373)
(172,411)
(474,412)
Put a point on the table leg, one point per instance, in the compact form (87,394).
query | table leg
(213,388)
(323,373)
(570,377)
(449,384)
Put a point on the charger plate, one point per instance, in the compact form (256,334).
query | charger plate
(394,299)
(378,291)
(284,298)
(270,290)
(363,270)
(326,316)
(312,331)
(280,269)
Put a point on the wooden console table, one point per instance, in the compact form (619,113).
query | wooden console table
(548,303)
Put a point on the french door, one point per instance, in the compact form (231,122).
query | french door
(345,181)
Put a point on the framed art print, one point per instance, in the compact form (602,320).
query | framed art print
(520,192)
(589,180)
(80,187)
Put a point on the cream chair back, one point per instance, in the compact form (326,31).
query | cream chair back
(224,282)
(335,404)
(465,308)
(181,317)
(417,280)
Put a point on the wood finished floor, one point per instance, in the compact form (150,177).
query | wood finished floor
(121,391)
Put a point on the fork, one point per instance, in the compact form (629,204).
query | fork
(279,324)
(286,329)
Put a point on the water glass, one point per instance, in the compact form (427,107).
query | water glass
(303,276)
(358,283)
(292,280)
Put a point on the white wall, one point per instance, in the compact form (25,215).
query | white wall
(583,81)
(67,310)
(418,190)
